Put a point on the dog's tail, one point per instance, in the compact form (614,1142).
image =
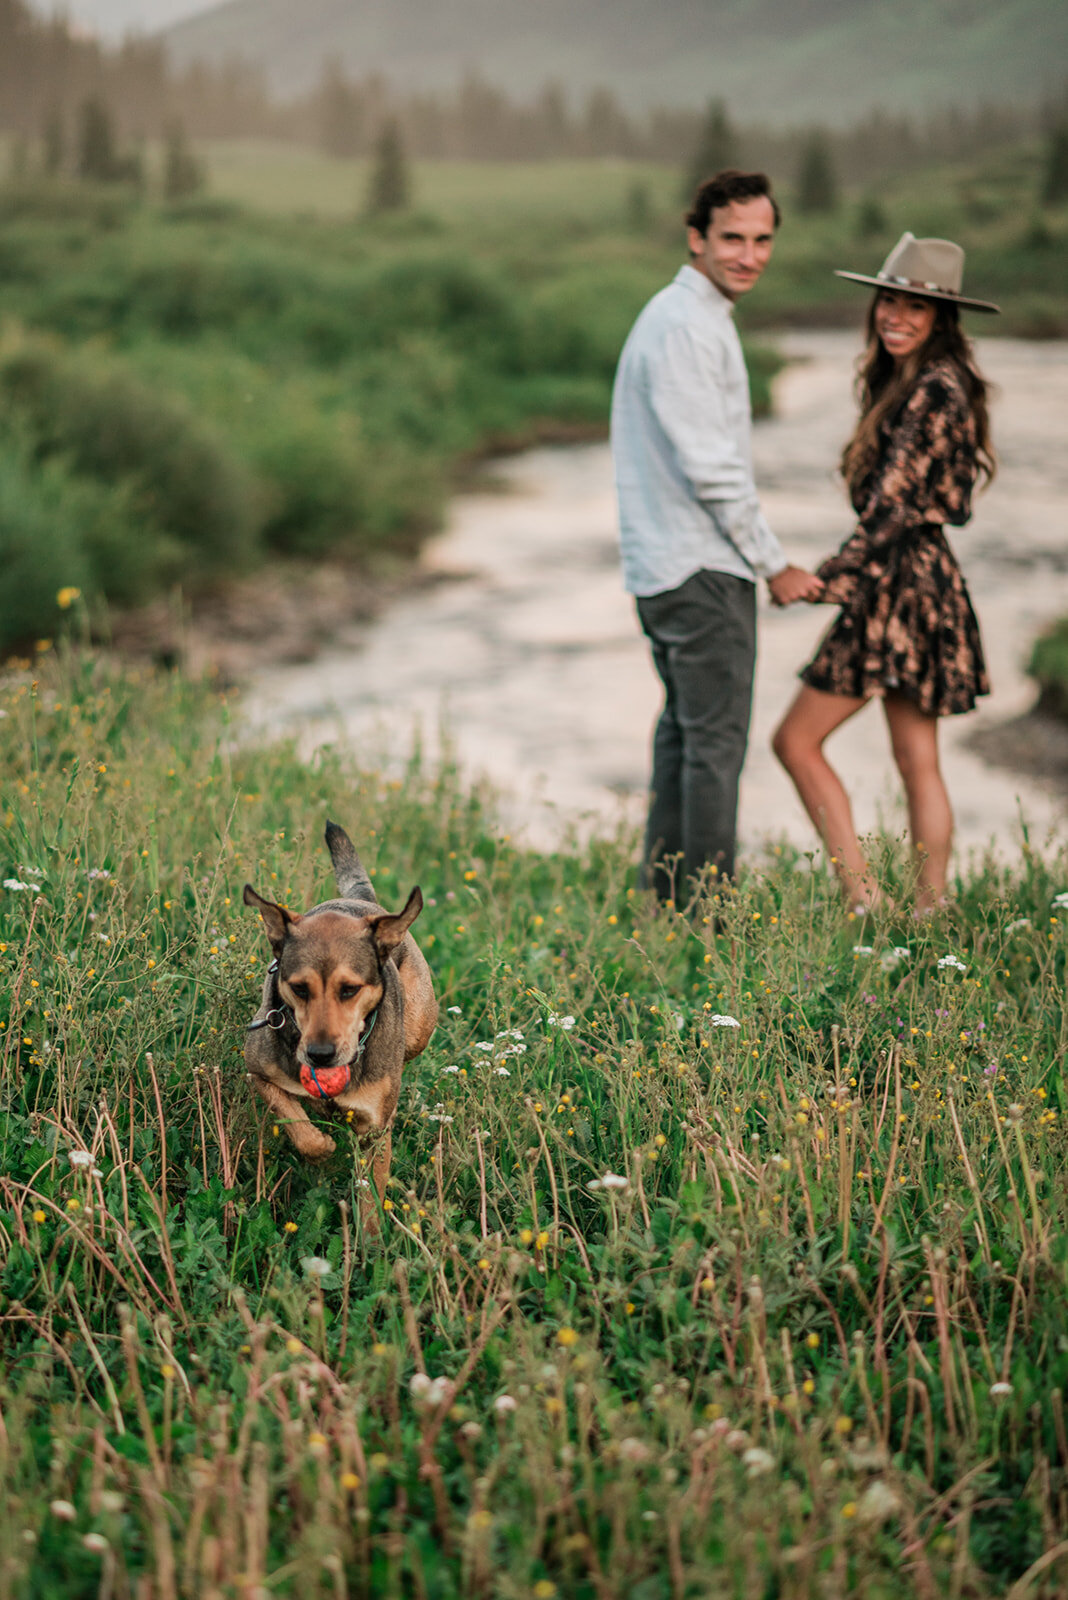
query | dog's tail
(352,880)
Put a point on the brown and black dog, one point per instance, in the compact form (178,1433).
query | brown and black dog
(347,1001)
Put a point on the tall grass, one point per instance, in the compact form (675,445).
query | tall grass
(718,1257)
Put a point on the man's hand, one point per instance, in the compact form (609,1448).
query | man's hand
(794,583)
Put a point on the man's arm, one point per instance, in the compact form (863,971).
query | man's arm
(689,403)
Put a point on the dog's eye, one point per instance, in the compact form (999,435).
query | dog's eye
(301,991)
(349,991)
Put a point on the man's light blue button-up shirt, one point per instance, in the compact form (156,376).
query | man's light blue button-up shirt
(681,424)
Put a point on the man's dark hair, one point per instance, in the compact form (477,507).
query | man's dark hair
(722,189)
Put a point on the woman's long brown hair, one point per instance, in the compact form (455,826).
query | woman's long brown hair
(883,388)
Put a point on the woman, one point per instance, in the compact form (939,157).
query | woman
(906,632)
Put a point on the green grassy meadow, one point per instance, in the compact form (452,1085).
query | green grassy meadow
(716,1260)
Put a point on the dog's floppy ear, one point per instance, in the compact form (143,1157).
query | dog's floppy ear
(276,919)
(389,930)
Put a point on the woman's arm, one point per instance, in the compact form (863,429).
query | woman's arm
(926,475)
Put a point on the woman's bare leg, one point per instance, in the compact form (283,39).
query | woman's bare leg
(798,742)
(914,737)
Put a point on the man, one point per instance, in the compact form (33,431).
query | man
(694,540)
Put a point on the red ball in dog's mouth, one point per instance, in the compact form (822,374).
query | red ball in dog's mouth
(324,1082)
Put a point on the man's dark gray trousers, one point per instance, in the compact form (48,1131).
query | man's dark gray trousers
(703,638)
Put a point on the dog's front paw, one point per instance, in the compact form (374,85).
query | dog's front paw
(310,1143)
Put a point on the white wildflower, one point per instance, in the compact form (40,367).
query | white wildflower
(437,1390)
(316,1266)
(419,1385)
(719,1021)
(454,1011)
(504,1405)
(97,872)
(863,950)
(877,1503)
(635,1450)
(868,1457)
(502,1072)
(79,1158)
(96,1543)
(954,962)
(510,1033)
(437,1116)
(567,1023)
(18,887)
(998,1391)
(63,1510)
(1021,922)
(484,1045)
(757,1461)
(450,1069)
(891,959)
(611,1180)
(1061,900)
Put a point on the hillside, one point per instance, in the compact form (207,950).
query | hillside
(774,59)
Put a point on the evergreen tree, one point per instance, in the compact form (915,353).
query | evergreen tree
(716,148)
(389,188)
(817,189)
(605,130)
(54,143)
(871,218)
(183,174)
(340,114)
(639,207)
(1055,177)
(552,121)
(19,160)
(96,143)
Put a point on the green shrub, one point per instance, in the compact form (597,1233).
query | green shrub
(41,550)
(192,498)
(60,530)
(1049,668)
(329,478)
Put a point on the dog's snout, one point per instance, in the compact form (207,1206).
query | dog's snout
(320,1055)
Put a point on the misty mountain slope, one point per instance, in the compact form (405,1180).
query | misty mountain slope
(780,59)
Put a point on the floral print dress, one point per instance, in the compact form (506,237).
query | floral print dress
(906,623)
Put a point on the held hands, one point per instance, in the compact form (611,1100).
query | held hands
(794,583)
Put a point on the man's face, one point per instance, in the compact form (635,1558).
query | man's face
(737,247)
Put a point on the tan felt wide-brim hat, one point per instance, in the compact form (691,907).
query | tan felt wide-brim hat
(931,268)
